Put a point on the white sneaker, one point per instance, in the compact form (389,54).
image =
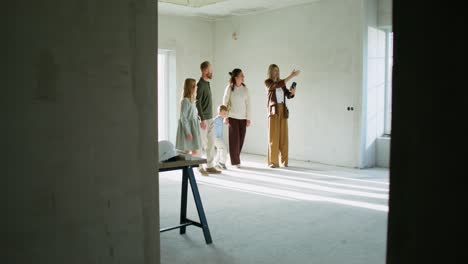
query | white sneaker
(222,166)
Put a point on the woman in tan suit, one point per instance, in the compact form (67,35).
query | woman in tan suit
(278,115)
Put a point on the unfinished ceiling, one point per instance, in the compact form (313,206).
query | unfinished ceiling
(191,3)
(217,9)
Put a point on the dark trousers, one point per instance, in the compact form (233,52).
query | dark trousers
(237,129)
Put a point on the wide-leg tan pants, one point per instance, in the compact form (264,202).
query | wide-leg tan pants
(278,137)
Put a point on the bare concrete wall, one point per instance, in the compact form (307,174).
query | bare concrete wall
(324,42)
(385,14)
(81,132)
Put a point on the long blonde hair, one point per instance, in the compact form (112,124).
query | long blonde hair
(189,89)
(270,71)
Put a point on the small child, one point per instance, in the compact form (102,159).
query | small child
(188,132)
(221,149)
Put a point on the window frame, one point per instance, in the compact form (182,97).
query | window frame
(388,82)
(165,96)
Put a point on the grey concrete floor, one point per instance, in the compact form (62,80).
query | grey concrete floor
(307,213)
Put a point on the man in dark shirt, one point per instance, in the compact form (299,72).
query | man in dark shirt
(205,111)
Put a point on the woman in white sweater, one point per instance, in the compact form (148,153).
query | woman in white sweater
(237,99)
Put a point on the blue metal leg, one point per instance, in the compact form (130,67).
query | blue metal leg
(183,199)
(198,202)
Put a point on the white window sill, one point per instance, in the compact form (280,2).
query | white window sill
(385,137)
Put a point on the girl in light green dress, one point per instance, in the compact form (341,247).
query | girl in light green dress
(188,132)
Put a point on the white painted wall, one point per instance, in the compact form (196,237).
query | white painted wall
(191,41)
(324,40)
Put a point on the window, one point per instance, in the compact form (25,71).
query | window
(388,83)
(163,96)
(167,127)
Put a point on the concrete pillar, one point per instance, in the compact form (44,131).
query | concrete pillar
(81,132)
(427,208)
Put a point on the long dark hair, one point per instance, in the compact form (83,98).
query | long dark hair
(234,74)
